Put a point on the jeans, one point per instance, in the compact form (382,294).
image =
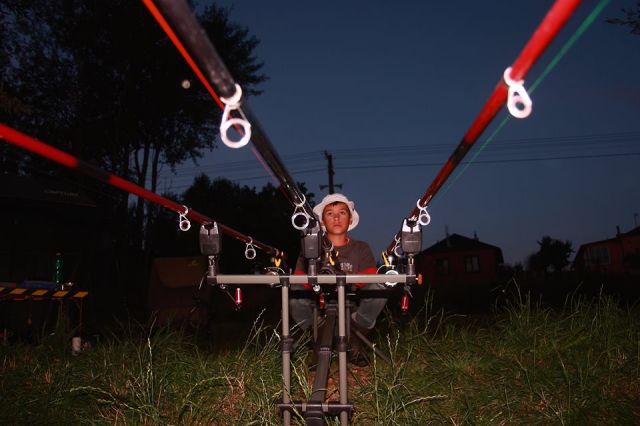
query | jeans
(301,309)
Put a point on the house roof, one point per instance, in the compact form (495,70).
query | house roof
(635,232)
(456,242)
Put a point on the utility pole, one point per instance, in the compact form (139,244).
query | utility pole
(330,171)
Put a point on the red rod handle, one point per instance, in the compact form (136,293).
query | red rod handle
(552,23)
(54,154)
(182,28)
(155,12)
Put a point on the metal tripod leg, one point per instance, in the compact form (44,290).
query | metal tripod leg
(316,407)
(287,346)
(342,349)
(323,349)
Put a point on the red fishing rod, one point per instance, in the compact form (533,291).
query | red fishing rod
(47,151)
(552,23)
(183,29)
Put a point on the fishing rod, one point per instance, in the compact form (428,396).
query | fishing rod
(509,89)
(177,20)
(42,149)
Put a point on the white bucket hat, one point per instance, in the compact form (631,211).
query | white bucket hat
(337,198)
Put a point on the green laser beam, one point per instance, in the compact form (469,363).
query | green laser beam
(588,21)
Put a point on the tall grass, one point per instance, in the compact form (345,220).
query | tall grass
(521,364)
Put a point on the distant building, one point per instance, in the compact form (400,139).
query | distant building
(617,255)
(175,289)
(39,218)
(459,260)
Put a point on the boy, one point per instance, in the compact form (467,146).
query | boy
(338,216)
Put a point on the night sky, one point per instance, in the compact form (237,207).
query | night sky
(390,88)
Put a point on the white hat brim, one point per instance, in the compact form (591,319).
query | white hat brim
(337,198)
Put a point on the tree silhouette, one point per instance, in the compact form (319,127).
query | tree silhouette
(553,255)
(264,215)
(101,80)
(631,19)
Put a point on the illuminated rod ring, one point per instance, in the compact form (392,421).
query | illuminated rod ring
(299,212)
(423,217)
(234,103)
(250,250)
(396,248)
(183,222)
(518,100)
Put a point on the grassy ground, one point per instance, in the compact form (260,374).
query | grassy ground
(521,364)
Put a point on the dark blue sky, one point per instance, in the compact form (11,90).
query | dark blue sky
(380,84)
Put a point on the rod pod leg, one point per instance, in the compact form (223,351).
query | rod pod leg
(314,415)
(342,348)
(287,345)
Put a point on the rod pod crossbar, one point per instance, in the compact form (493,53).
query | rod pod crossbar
(275,280)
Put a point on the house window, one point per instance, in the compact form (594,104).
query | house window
(471,264)
(442,267)
(598,256)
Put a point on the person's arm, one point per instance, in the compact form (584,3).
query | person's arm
(301,269)
(367,263)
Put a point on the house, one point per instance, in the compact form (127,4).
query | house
(46,230)
(39,218)
(459,260)
(617,255)
(175,291)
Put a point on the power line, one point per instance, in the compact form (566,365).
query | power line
(435,164)
(536,149)
(358,154)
